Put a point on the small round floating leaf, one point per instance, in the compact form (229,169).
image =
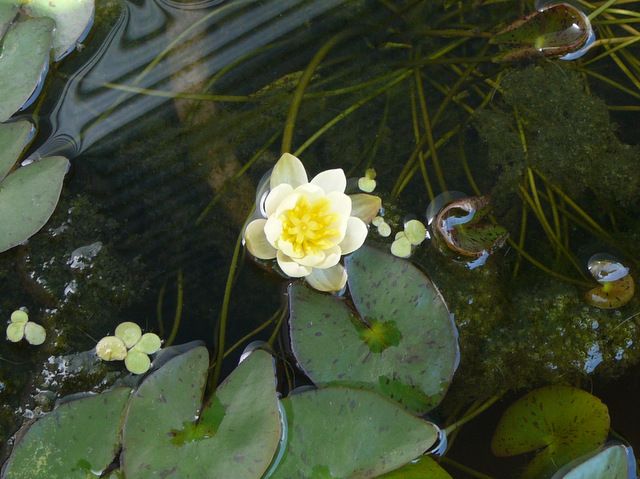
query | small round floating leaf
(612,294)
(19,316)
(423,468)
(13,138)
(76,438)
(410,352)
(401,247)
(346,432)
(28,197)
(415,232)
(129,332)
(237,433)
(15,331)
(563,421)
(137,362)
(366,184)
(149,343)
(34,333)
(23,60)
(72,17)
(111,348)
(612,462)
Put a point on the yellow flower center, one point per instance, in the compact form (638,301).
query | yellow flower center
(308,226)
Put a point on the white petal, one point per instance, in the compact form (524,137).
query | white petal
(332,256)
(365,207)
(330,279)
(287,248)
(276,196)
(355,235)
(340,203)
(256,240)
(331,180)
(273,230)
(290,267)
(290,170)
(312,260)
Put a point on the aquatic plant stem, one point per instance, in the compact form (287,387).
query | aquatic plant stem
(235,177)
(178,314)
(249,335)
(600,9)
(416,136)
(180,96)
(159,305)
(224,315)
(348,111)
(287,136)
(426,121)
(473,414)
(521,240)
(464,468)
(276,330)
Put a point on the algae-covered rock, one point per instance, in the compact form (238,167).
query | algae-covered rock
(569,136)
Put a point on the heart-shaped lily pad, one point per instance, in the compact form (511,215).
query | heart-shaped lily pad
(339,432)
(13,138)
(73,18)
(401,342)
(236,436)
(28,197)
(563,421)
(75,440)
(611,462)
(24,58)
(423,468)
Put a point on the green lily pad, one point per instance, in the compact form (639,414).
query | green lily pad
(339,432)
(401,341)
(76,438)
(23,59)
(13,138)
(137,362)
(236,437)
(423,468)
(28,197)
(612,462)
(7,14)
(564,422)
(72,18)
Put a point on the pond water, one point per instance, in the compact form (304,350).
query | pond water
(171,112)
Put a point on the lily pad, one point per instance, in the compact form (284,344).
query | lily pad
(28,197)
(13,138)
(24,58)
(339,432)
(612,462)
(73,18)
(423,468)
(76,439)
(401,341)
(236,436)
(562,421)
(7,14)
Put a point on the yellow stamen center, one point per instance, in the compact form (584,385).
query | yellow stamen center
(309,226)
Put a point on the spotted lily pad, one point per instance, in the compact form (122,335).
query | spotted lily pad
(237,433)
(57,445)
(24,58)
(72,17)
(13,138)
(611,462)
(339,432)
(28,197)
(560,421)
(423,468)
(400,341)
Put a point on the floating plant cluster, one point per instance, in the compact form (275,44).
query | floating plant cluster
(128,344)
(20,327)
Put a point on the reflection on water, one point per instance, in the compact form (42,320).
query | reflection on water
(137,53)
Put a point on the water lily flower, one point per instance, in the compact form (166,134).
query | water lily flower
(309,225)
